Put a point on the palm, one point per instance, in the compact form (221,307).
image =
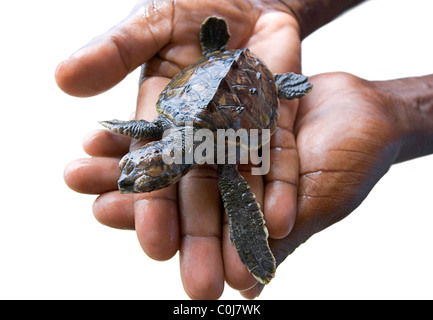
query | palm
(248,24)
(345,141)
(344,137)
(200,218)
(186,216)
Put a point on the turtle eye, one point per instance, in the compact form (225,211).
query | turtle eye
(123,162)
(128,164)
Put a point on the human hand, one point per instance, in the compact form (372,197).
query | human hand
(186,216)
(348,133)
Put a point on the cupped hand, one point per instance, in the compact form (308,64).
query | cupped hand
(347,137)
(188,216)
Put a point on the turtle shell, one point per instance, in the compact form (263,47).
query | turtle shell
(230,89)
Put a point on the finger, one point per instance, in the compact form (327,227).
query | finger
(148,97)
(107,59)
(115,210)
(156,223)
(201,269)
(236,274)
(279,31)
(253,292)
(155,213)
(200,213)
(281,184)
(92,176)
(104,143)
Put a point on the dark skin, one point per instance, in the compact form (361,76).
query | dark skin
(175,218)
(310,186)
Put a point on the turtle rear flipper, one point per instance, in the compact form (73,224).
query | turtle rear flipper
(214,35)
(291,85)
(247,226)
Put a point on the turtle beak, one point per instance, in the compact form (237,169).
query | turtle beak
(134,177)
(126,184)
(130,173)
(135,184)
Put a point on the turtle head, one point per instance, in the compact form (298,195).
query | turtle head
(145,170)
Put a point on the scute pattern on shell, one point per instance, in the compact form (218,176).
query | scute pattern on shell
(230,89)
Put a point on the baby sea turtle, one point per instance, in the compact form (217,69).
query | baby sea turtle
(225,89)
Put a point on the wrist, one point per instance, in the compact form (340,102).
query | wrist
(313,14)
(411,108)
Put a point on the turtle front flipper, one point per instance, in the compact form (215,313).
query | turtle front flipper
(138,129)
(247,225)
(291,85)
(214,35)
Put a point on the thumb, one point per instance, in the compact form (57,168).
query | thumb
(110,57)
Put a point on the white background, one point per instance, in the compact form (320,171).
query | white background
(51,247)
